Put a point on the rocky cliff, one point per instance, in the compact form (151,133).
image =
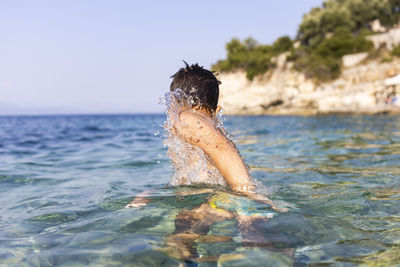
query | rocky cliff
(364,88)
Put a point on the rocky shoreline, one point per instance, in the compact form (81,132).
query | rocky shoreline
(361,89)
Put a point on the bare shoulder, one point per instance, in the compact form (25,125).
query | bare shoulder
(199,129)
(193,119)
(197,122)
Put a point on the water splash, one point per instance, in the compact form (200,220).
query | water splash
(190,163)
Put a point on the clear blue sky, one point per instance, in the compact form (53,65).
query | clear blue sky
(96,56)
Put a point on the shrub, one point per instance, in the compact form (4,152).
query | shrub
(314,65)
(396,51)
(326,33)
(282,44)
(342,43)
(324,61)
(352,14)
(255,59)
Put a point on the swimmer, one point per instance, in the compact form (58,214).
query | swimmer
(195,123)
(197,126)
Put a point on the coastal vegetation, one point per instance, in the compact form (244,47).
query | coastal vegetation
(251,56)
(326,33)
(396,51)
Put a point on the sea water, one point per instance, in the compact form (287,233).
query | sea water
(65,180)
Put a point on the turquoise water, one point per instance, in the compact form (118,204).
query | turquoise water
(64,182)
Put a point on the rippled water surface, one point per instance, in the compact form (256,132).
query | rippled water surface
(64,182)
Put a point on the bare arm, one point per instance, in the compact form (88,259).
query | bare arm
(199,131)
(141,199)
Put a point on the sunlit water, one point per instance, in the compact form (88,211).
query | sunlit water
(64,182)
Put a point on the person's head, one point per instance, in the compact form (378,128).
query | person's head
(199,84)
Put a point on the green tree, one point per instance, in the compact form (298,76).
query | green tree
(326,33)
(282,44)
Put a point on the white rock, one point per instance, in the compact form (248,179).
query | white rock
(353,59)
(392,81)
(360,88)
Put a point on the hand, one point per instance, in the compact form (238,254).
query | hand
(138,202)
(279,206)
(282,206)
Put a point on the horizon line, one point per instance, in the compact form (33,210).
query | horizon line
(79,114)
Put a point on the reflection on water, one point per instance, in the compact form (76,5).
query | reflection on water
(65,181)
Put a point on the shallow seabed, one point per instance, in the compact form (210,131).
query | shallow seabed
(64,182)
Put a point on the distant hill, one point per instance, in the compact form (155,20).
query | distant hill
(326,34)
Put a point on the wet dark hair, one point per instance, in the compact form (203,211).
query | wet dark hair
(198,84)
